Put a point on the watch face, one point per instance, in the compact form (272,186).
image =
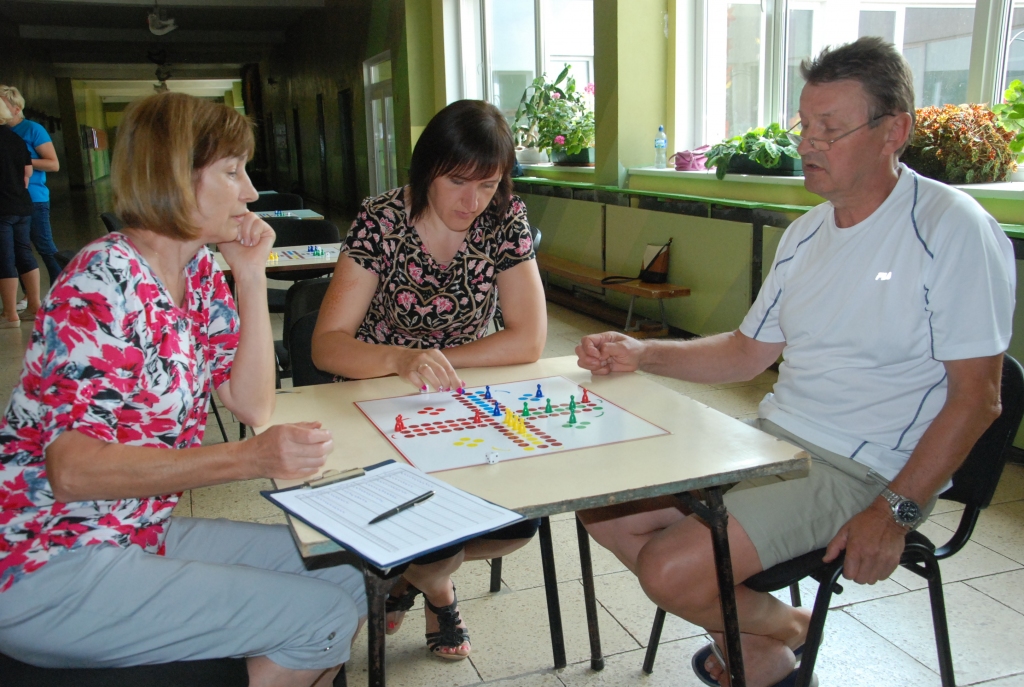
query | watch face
(908,512)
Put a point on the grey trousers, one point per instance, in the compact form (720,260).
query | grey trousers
(223,589)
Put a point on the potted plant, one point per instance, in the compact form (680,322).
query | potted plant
(960,144)
(557,119)
(764,150)
(1010,116)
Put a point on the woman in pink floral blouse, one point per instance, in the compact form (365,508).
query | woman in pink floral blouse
(414,293)
(126,349)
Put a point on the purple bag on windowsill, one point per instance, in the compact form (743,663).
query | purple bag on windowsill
(691,160)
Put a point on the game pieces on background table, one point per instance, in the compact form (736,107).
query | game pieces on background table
(499,422)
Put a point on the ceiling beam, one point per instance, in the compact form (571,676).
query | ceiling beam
(288,4)
(144,71)
(72,33)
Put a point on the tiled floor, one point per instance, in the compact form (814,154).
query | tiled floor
(875,635)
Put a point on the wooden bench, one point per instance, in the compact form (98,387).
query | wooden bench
(581,274)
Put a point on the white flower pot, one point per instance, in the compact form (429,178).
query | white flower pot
(1018,175)
(530,156)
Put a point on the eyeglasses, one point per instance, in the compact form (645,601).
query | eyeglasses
(822,146)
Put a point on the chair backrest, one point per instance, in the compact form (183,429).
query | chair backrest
(303,297)
(300,350)
(975,481)
(111,221)
(536,236)
(276,201)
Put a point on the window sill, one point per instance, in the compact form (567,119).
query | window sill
(567,168)
(1009,190)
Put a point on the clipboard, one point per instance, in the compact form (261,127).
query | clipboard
(341,505)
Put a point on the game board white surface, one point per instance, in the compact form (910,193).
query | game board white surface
(441,432)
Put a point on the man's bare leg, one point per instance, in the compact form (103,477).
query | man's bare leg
(625,528)
(676,569)
(265,673)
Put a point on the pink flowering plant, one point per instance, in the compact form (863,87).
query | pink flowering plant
(555,116)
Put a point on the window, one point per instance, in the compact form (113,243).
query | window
(503,47)
(1015,46)
(750,74)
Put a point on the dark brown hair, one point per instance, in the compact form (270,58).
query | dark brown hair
(469,139)
(877,66)
(163,143)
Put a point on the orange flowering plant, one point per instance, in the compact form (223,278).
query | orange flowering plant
(960,144)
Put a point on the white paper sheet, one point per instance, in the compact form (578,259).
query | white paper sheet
(343,510)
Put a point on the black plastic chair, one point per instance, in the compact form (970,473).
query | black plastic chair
(111,221)
(300,347)
(498,320)
(268,202)
(974,483)
(302,297)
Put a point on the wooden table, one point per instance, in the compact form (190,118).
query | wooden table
(290,214)
(706,450)
(286,263)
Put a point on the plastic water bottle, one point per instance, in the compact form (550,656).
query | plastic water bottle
(660,149)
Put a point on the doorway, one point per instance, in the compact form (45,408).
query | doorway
(380,119)
(349,197)
(300,174)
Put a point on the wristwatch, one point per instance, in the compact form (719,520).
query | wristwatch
(905,512)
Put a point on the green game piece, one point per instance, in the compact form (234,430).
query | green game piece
(572,403)
(526,409)
(572,416)
(547,406)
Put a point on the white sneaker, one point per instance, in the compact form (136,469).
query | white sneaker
(22,304)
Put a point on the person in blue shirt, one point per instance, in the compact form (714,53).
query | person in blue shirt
(44,159)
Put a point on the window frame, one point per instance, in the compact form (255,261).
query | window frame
(987,71)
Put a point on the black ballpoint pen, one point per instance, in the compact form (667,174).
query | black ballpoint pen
(402,506)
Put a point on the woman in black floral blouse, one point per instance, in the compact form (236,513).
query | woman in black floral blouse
(414,293)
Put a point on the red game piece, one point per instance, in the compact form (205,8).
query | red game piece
(476,416)
(399,425)
(585,399)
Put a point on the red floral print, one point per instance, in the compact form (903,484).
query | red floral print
(110,356)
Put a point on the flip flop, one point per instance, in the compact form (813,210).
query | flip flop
(701,657)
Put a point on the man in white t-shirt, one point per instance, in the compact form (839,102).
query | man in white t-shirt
(891,304)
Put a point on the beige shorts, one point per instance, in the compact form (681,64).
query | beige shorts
(788,517)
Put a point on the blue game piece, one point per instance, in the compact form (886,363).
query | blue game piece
(539,394)
(487,394)
(496,412)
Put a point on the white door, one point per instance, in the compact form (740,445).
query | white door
(380,119)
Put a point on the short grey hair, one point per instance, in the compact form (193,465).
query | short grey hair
(879,68)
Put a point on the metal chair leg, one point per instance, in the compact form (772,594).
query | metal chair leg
(652,643)
(938,603)
(220,423)
(589,596)
(817,627)
(547,555)
(794,595)
(241,431)
(495,575)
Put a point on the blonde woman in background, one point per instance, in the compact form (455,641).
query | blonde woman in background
(16,259)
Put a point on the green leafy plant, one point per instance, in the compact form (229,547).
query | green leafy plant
(555,116)
(960,144)
(1010,116)
(765,145)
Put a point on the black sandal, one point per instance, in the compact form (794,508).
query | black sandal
(450,635)
(400,604)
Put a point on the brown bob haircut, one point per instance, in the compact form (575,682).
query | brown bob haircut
(882,71)
(163,143)
(469,139)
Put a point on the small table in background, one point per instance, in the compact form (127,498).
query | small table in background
(290,214)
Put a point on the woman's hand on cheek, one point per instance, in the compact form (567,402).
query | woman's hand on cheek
(428,370)
(249,251)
